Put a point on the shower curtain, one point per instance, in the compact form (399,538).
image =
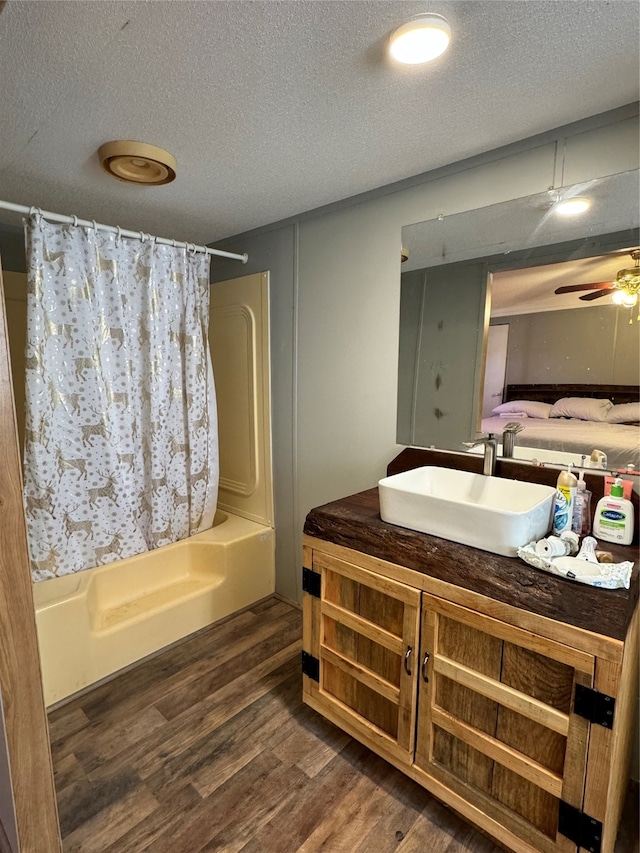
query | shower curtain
(121,448)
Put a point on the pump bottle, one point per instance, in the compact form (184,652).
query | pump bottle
(613,520)
(564,501)
(581,523)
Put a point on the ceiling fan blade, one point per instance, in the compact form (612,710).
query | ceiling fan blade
(597,294)
(572,288)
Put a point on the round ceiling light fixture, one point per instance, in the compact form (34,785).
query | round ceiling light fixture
(420,40)
(572,206)
(137,162)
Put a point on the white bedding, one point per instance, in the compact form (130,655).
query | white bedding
(620,442)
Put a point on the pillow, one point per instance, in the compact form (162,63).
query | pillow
(583,408)
(624,413)
(531,408)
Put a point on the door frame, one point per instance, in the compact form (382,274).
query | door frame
(25,719)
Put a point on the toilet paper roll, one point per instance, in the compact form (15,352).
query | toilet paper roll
(573,541)
(551,547)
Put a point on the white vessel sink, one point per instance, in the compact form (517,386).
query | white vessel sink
(490,513)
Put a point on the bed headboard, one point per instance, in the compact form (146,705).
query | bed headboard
(551,393)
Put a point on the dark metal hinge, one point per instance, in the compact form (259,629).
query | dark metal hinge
(310,666)
(595,707)
(311,582)
(584,831)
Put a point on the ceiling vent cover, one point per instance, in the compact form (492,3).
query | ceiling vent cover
(137,162)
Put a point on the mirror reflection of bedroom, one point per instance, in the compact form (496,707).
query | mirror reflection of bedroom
(566,365)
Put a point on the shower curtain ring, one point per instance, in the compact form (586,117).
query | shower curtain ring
(118,235)
(93,223)
(75,221)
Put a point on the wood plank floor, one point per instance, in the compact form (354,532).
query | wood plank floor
(208,747)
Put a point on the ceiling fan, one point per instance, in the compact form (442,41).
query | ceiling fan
(624,290)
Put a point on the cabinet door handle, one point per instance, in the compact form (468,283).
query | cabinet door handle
(425,661)
(407,655)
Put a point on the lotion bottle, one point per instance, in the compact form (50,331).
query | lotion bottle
(613,521)
(564,501)
(581,523)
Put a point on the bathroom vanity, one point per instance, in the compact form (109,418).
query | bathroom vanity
(507,692)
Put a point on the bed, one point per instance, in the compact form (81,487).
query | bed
(574,418)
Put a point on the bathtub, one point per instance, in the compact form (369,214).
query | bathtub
(93,623)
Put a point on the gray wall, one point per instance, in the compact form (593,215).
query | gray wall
(595,345)
(335,310)
(442,324)
(12,252)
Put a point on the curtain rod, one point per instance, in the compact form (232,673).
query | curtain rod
(123,232)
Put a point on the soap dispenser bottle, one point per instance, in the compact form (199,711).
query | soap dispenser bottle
(564,501)
(581,523)
(613,520)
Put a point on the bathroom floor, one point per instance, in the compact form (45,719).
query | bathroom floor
(208,747)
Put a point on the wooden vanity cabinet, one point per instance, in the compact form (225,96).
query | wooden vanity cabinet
(495,722)
(361,635)
(484,705)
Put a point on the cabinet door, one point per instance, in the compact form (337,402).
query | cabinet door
(496,722)
(366,639)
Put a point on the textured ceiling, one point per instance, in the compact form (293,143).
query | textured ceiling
(273,108)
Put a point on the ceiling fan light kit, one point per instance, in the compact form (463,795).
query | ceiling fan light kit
(137,162)
(627,300)
(623,291)
(630,277)
(422,39)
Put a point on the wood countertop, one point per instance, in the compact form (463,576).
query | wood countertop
(354,522)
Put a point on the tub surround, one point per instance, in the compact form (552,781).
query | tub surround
(467,669)
(93,623)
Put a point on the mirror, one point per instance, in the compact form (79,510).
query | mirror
(490,274)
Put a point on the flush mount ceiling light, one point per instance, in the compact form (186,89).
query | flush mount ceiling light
(423,38)
(572,206)
(137,162)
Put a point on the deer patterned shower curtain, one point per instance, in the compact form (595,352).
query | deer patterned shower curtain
(121,448)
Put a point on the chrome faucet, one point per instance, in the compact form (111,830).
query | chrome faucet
(490,452)
(509,438)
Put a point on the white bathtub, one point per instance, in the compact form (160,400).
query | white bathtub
(93,623)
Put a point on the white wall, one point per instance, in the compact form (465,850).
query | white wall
(335,309)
